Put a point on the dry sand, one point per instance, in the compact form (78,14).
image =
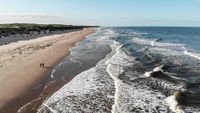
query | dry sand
(20,61)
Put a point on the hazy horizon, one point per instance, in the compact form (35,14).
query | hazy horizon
(102,12)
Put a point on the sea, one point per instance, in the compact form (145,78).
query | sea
(147,70)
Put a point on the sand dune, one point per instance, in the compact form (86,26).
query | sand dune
(20,61)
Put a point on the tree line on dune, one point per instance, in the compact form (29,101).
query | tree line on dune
(18,28)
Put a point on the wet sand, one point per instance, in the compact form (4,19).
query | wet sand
(20,63)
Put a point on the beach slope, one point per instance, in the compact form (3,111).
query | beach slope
(20,61)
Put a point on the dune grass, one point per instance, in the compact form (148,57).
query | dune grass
(20,28)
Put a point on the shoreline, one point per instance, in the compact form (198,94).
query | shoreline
(53,85)
(29,54)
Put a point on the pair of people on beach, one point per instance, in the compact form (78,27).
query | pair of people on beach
(42,65)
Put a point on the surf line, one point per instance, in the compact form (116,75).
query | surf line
(173,104)
(54,69)
(116,80)
(156,70)
(190,54)
(51,109)
(156,40)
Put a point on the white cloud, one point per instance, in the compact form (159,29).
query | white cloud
(26,15)
(31,18)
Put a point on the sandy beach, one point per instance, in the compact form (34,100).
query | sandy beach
(20,61)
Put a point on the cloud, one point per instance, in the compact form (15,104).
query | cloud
(31,18)
(24,15)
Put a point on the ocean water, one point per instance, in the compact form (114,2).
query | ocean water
(149,70)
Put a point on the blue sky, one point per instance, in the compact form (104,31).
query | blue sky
(103,12)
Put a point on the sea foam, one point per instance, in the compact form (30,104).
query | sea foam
(173,104)
(194,55)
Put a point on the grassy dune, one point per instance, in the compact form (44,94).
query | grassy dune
(16,28)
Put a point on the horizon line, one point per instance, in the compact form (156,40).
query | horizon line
(101,25)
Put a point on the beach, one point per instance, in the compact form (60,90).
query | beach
(118,70)
(20,61)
